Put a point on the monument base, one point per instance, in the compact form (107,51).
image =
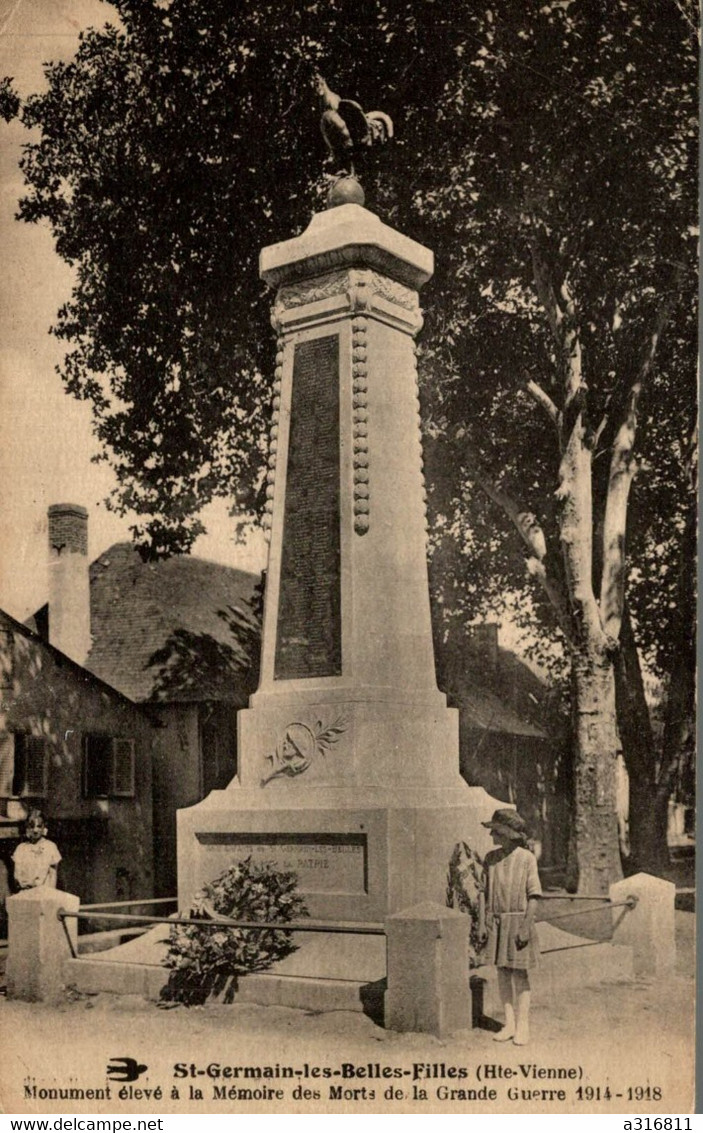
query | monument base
(360,853)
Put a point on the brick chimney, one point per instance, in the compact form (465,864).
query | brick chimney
(69,582)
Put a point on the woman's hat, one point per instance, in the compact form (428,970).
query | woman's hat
(507,822)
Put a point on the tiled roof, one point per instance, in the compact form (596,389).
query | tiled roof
(494,690)
(482,709)
(29,631)
(178,629)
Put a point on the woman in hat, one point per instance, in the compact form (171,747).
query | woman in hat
(513,889)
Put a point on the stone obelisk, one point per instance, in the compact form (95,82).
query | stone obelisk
(348,768)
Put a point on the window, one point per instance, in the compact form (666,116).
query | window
(23,766)
(108,767)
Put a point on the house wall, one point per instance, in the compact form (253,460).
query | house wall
(106,843)
(176,784)
(218,745)
(195,753)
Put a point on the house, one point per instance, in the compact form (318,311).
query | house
(81,752)
(511,734)
(179,636)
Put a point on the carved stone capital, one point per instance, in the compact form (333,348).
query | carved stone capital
(311,290)
(350,291)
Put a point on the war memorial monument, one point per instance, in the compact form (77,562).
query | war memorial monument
(348,760)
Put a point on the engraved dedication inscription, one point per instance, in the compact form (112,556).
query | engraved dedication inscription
(309,637)
(324,863)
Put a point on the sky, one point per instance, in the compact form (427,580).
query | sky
(46,442)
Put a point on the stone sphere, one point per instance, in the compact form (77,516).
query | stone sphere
(346,191)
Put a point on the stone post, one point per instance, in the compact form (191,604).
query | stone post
(648,927)
(428,970)
(38,944)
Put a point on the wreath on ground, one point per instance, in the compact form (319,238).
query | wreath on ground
(207,961)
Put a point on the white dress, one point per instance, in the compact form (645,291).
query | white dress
(32,862)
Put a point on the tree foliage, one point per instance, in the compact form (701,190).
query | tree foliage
(171,150)
(9,100)
(577,169)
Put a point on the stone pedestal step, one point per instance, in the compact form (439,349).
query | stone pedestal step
(91,976)
(336,973)
(327,972)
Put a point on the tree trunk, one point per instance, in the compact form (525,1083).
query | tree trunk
(679,738)
(649,852)
(596,842)
(660,811)
(595,813)
(648,845)
(652,773)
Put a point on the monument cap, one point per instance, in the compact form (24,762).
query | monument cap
(346,236)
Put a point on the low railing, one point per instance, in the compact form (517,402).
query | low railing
(573,897)
(629,903)
(104,938)
(133,903)
(359,928)
(603,904)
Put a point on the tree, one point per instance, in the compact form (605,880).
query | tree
(171,150)
(590,180)
(547,156)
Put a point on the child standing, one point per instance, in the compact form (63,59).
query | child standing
(36,859)
(513,889)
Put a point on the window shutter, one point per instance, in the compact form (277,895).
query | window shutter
(123,768)
(36,767)
(7,764)
(86,767)
(5,660)
(19,764)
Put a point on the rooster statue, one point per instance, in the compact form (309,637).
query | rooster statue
(346,128)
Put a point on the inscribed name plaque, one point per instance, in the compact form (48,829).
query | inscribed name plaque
(324,863)
(309,639)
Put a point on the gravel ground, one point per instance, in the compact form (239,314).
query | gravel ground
(631,1036)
